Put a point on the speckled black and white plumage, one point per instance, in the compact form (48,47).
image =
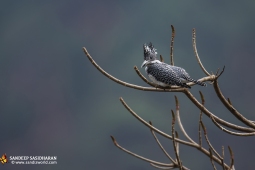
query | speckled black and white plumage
(163,74)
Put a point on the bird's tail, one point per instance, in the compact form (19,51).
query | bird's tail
(197,82)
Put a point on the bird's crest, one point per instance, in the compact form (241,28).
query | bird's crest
(149,52)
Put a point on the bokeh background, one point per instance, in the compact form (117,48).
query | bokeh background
(54,102)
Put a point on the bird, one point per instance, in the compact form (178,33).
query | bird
(163,74)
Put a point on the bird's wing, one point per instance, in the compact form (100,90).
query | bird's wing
(163,73)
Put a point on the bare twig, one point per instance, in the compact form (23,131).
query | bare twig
(200,119)
(231,158)
(208,141)
(222,161)
(231,132)
(199,130)
(161,147)
(217,119)
(171,166)
(203,150)
(176,150)
(230,107)
(196,53)
(172,46)
(179,120)
(211,158)
(218,75)
(177,143)
(152,127)
(138,156)
(229,101)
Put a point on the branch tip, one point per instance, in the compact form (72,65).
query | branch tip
(231,152)
(173,116)
(229,101)
(176,103)
(161,58)
(217,76)
(114,141)
(173,30)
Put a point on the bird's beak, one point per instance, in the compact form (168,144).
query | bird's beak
(144,63)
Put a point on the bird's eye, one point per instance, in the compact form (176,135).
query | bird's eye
(150,57)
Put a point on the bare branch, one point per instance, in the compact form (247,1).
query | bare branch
(163,167)
(211,158)
(152,127)
(169,167)
(203,150)
(231,158)
(222,161)
(208,141)
(161,147)
(199,130)
(169,90)
(217,119)
(179,121)
(200,119)
(122,82)
(138,156)
(196,53)
(231,132)
(172,46)
(176,150)
(230,107)
(208,78)
(177,143)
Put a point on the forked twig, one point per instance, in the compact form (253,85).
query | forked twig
(195,145)
(138,156)
(231,132)
(217,119)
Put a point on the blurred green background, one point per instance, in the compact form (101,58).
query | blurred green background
(54,102)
